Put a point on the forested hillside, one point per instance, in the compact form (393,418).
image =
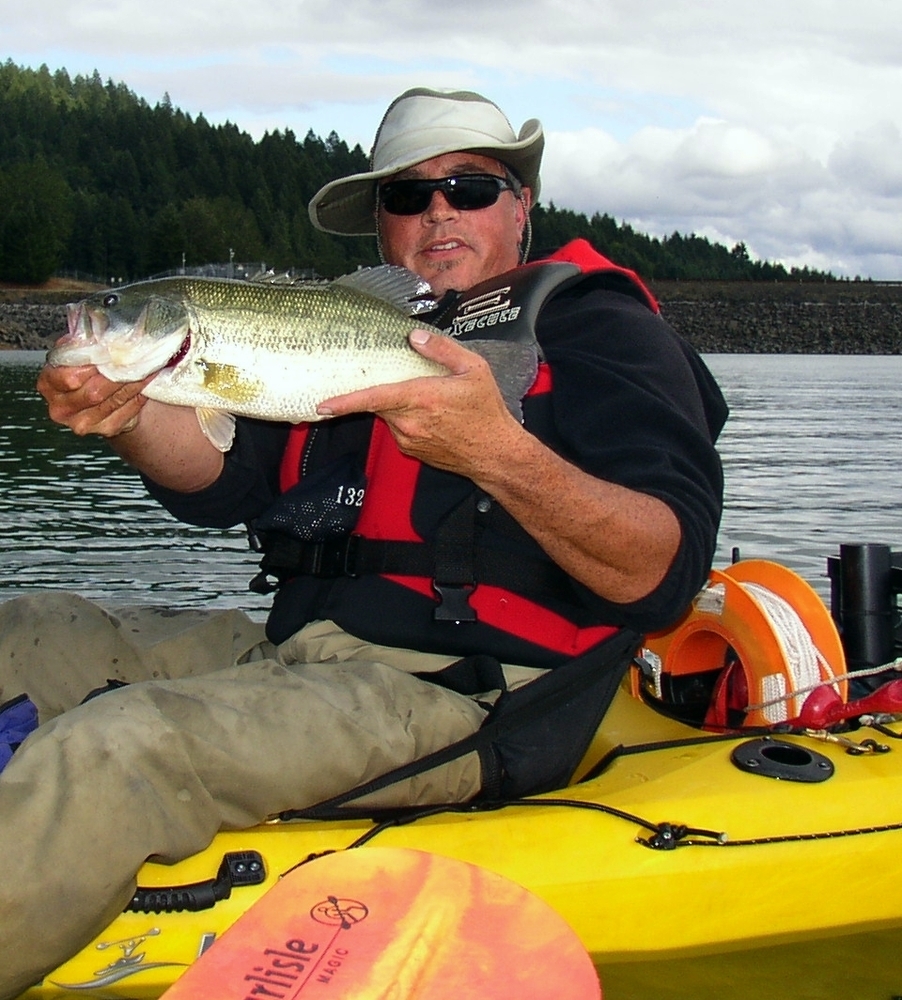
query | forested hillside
(94,179)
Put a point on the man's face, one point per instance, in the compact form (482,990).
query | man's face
(449,247)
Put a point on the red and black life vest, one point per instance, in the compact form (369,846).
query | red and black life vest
(430,562)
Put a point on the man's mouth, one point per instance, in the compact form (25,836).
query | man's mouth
(445,246)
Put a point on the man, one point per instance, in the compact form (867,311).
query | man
(488,553)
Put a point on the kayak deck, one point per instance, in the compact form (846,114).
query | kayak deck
(773,867)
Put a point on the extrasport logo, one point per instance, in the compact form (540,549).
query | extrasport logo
(487,309)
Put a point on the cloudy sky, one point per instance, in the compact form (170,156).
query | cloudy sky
(777,123)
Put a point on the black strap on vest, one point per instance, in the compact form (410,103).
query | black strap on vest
(353,555)
(454,577)
(560,711)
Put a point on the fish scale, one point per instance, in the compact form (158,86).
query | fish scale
(277,352)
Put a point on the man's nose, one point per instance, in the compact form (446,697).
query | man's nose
(439,207)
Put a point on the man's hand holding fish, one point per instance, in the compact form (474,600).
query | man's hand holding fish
(165,442)
(83,400)
(434,420)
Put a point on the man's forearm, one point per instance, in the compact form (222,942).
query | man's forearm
(168,446)
(616,541)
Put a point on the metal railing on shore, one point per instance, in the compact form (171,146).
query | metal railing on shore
(245,271)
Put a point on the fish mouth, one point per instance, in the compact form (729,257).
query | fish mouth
(84,323)
(123,352)
(83,343)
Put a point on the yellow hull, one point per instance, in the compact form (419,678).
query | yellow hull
(694,921)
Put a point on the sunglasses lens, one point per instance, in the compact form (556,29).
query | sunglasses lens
(469,193)
(465,193)
(406,197)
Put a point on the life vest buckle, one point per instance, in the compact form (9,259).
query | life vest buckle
(285,558)
(335,557)
(454,604)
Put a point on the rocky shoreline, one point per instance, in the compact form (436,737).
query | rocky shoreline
(715,317)
(750,318)
(30,326)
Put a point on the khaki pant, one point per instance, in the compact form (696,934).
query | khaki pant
(217,729)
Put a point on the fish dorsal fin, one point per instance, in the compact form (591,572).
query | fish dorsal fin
(393,284)
(271,278)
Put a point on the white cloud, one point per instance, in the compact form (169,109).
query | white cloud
(871,160)
(777,123)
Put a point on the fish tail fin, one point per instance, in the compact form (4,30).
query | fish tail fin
(514,366)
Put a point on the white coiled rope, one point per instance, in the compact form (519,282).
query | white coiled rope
(808,667)
(805,662)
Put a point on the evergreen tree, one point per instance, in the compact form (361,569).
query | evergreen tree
(97,180)
(35,222)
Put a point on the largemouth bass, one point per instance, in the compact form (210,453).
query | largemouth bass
(268,350)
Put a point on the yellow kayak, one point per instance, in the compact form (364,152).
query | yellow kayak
(690,863)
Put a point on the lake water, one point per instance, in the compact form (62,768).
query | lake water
(812,456)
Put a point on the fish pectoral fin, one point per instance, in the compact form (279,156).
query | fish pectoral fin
(218,427)
(514,366)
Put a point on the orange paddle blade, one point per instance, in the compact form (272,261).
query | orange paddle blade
(391,924)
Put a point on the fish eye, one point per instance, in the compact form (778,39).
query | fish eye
(110,300)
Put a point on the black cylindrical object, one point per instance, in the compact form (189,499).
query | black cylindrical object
(866,604)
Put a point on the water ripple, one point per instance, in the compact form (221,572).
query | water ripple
(812,458)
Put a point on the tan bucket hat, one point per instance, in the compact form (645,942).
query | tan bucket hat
(418,125)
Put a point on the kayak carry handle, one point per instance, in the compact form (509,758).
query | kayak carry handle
(237,868)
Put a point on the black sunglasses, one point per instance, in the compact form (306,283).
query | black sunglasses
(465,193)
